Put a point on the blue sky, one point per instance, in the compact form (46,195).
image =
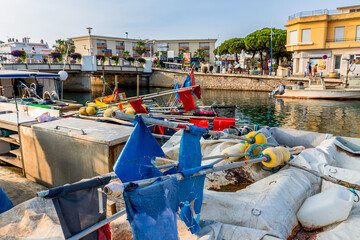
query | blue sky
(152,19)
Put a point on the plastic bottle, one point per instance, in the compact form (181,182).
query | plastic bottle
(331,206)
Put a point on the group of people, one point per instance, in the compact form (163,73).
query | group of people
(311,72)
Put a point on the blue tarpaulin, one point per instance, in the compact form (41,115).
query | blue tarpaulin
(151,211)
(5,203)
(177,95)
(191,189)
(136,159)
(187,82)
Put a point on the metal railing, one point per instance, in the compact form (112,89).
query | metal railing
(314,13)
(332,40)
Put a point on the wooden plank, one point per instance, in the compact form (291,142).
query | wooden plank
(10,140)
(15,136)
(10,158)
(16,152)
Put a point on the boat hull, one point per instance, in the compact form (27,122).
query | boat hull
(339,94)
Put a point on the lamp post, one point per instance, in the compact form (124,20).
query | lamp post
(218,56)
(271,65)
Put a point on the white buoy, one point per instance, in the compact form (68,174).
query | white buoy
(63,75)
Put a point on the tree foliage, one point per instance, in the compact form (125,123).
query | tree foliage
(140,48)
(62,45)
(181,53)
(126,54)
(200,53)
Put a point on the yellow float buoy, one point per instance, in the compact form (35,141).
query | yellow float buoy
(275,155)
(236,149)
(254,150)
(82,111)
(108,112)
(130,111)
(285,153)
(259,138)
(91,110)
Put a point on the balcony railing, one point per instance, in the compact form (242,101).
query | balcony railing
(314,13)
(120,47)
(101,45)
(183,48)
(204,47)
(334,40)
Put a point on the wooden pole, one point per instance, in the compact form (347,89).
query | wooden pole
(116,82)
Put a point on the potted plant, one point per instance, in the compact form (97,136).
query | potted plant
(19,53)
(76,56)
(56,56)
(130,59)
(115,59)
(142,61)
(101,58)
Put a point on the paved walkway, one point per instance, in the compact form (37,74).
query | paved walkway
(16,186)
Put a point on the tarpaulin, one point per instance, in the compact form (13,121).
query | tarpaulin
(151,211)
(192,77)
(137,105)
(159,129)
(176,94)
(223,123)
(199,122)
(197,92)
(5,203)
(80,205)
(104,233)
(191,189)
(187,99)
(136,159)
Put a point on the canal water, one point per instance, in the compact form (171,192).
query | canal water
(341,118)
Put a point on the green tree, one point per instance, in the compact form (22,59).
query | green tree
(181,53)
(140,48)
(200,53)
(126,54)
(62,45)
(236,46)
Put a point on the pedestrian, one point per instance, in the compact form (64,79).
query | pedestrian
(315,70)
(308,69)
(33,52)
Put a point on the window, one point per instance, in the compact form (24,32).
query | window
(306,36)
(120,44)
(357,33)
(355,57)
(204,44)
(337,62)
(119,51)
(339,34)
(293,37)
(134,44)
(100,51)
(101,42)
(183,45)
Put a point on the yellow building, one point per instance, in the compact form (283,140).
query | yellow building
(98,44)
(329,38)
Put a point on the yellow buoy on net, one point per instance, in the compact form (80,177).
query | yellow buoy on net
(130,111)
(108,112)
(258,137)
(275,157)
(82,111)
(253,150)
(285,153)
(91,110)
(236,149)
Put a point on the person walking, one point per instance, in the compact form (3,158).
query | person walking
(308,69)
(315,70)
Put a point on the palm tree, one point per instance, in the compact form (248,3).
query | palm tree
(181,53)
(140,48)
(200,53)
(62,45)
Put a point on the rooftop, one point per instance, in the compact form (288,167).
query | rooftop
(340,10)
(133,39)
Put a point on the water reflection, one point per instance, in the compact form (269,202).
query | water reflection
(337,117)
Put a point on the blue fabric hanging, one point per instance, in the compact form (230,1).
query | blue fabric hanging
(151,211)
(176,94)
(187,82)
(136,160)
(191,189)
(5,203)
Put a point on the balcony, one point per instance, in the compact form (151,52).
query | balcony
(183,48)
(314,13)
(101,46)
(120,47)
(339,40)
(205,47)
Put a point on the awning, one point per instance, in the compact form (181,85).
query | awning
(26,74)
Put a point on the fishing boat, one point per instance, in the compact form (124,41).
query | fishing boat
(318,90)
(33,93)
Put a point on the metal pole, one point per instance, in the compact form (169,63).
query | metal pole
(271,33)
(138,85)
(116,82)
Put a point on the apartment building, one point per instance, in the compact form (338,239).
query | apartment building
(329,38)
(99,44)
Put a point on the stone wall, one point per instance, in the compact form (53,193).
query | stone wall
(79,82)
(168,78)
(126,80)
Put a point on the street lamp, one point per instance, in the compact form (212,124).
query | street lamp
(271,63)
(89,30)
(218,56)
(126,33)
